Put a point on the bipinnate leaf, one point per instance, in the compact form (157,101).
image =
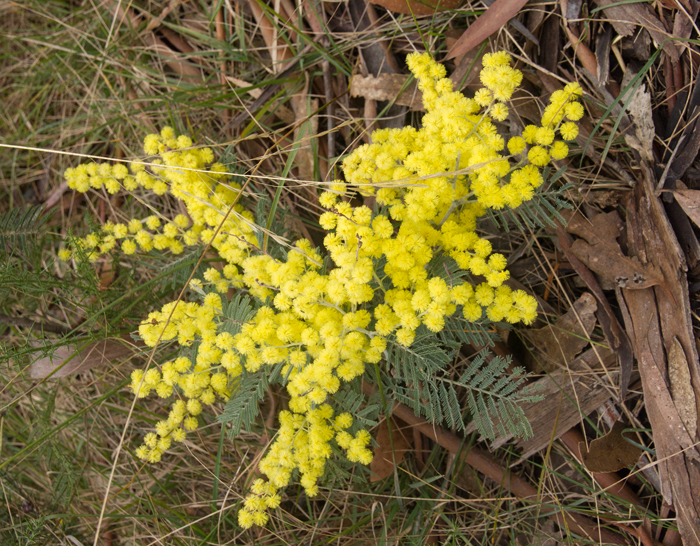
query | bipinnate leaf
(20,226)
(243,406)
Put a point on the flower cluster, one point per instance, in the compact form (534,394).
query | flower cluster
(431,186)
(186,172)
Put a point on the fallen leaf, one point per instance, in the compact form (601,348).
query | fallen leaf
(387,87)
(558,344)
(640,110)
(637,47)
(611,452)
(64,360)
(583,52)
(254,92)
(414,7)
(495,18)
(682,387)
(656,317)
(689,200)
(602,54)
(617,337)
(385,458)
(625,18)
(305,134)
(600,251)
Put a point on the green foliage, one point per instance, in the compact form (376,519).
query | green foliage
(493,394)
(238,311)
(179,270)
(417,368)
(364,411)
(243,407)
(479,333)
(20,228)
(542,211)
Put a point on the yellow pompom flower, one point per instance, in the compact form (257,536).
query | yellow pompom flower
(499,111)
(559,150)
(516,145)
(128,246)
(538,156)
(573,111)
(568,130)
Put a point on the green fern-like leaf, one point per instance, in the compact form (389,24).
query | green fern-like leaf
(351,401)
(541,211)
(494,397)
(19,227)
(182,268)
(459,331)
(447,269)
(423,359)
(432,400)
(243,407)
(238,311)
(415,369)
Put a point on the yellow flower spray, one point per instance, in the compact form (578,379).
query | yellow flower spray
(431,185)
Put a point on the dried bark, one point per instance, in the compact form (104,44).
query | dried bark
(658,318)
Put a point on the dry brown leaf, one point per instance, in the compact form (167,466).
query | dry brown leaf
(583,52)
(65,362)
(640,110)
(558,344)
(305,133)
(414,7)
(387,87)
(625,18)
(253,92)
(495,18)
(611,452)
(689,200)
(682,387)
(601,252)
(384,457)
(656,317)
